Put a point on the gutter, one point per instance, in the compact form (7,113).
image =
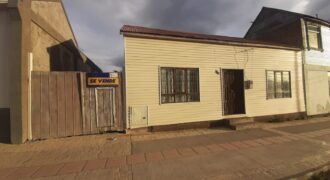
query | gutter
(30,96)
(303,57)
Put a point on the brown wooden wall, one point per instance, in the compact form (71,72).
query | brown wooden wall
(63,106)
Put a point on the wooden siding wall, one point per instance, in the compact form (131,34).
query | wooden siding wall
(143,57)
(63,106)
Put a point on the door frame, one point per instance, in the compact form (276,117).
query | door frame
(222,91)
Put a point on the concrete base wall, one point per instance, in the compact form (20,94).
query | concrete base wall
(216,123)
(317,90)
(281,117)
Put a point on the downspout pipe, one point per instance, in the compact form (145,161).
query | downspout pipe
(303,57)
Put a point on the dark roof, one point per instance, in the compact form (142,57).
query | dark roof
(299,14)
(197,36)
(268,11)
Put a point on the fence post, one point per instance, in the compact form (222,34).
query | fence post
(82,90)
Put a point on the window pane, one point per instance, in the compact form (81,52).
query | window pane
(314,36)
(179,85)
(270,85)
(193,97)
(167,98)
(164,99)
(192,81)
(313,39)
(180,98)
(164,83)
(167,89)
(193,84)
(170,81)
(286,84)
(278,85)
(313,28)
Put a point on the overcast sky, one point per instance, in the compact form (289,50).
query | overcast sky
(96,23)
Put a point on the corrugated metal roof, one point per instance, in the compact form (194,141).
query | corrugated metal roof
(196,36)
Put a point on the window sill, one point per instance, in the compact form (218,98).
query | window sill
(315,49)
(278,98)
(194,102)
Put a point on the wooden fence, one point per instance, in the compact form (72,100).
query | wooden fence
(63,106)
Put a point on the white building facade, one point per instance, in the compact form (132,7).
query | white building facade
(316,58)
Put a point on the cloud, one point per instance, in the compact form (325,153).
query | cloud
(97,23)
(320,7)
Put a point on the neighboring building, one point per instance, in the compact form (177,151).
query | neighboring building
(310,33)
(35,35)
(177,77)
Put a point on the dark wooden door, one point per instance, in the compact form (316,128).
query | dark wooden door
(233,92)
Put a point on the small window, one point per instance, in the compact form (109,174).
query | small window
(314,37)
(278,84)
(179,85)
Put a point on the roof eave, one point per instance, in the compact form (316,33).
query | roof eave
(319,21)
(258,16)
(222,42)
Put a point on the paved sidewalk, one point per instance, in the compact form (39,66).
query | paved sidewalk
(274,151)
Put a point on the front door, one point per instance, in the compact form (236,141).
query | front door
(233,91)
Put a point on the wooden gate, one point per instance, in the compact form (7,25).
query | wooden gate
(63,106)
(102,108)
(105,111)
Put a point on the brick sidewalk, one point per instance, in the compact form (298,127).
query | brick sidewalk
(127,165)
(134,159)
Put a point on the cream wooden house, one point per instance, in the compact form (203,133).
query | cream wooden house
(177,77)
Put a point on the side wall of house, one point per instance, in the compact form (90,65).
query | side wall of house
(51,37)
(143,57)
(53,13)
(10,74)
(317,66)
(5,78)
